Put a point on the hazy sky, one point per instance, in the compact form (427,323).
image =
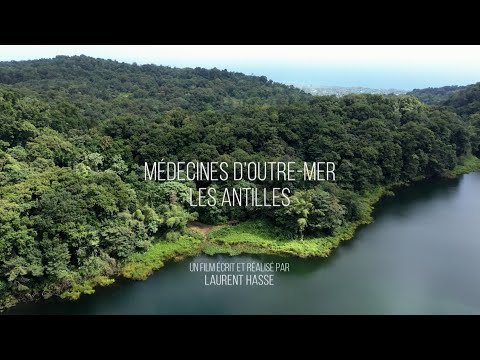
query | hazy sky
(357,65)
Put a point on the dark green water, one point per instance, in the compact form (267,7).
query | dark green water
(421,256)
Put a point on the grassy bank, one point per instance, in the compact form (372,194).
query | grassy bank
(260,237)
(139,266)
(249,237)
(470,163)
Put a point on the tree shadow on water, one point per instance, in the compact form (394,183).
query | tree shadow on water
(406,198)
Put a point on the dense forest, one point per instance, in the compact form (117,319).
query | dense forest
(76,131)
(465,102)
(462,100)
(435,96)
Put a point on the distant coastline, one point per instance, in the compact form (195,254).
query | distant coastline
(346,90)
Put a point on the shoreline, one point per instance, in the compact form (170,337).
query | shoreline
(249,237)
(257,237)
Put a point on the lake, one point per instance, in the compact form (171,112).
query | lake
(420,256)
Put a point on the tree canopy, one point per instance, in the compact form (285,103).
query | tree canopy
(75,132)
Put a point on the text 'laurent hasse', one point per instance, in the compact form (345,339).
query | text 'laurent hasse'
(239,279)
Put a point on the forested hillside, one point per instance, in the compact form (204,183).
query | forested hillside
(76,131)
(435,96)
(465,102)
(90,90)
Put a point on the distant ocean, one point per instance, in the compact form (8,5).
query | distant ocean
(405,78)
